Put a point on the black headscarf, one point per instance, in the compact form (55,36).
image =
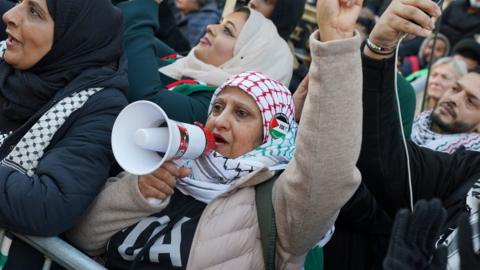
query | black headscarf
(286,15)
(4,7)
(87,35)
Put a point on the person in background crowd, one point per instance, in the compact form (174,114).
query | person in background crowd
(169,33)
(443,75)
(194,16)
(183,87)
(285,14)
(62,83)
(383,160)
(455,119)
(224,232)
(460,20)
(414,66)
(468,50)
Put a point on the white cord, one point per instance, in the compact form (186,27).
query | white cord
(401,125)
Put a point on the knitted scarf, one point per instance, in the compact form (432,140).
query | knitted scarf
(422,135)
(214,174)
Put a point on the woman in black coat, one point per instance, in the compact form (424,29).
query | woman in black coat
(62,83)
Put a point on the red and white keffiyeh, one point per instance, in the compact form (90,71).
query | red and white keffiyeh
(214,174)
(272,97)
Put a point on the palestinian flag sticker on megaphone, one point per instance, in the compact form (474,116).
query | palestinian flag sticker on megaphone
(279,126)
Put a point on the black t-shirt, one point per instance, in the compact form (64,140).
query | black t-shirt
(164,238)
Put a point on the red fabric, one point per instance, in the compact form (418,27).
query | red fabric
(414,62)
(179,82)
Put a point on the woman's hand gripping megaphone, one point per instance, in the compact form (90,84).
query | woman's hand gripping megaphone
(145,141)
(161,183)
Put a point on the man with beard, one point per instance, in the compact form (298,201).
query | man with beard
(455,121)
(395,175)
(397,180)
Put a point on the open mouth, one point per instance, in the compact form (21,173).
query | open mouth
(12,42)
(219,139)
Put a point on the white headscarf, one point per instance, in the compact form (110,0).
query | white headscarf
(258,48)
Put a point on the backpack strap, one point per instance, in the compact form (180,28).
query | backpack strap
(266,220)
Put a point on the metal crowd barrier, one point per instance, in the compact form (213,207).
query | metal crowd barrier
(57,250)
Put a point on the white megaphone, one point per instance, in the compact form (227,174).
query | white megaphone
(143,138)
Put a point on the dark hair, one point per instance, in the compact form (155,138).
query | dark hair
(468,48)
(286,15)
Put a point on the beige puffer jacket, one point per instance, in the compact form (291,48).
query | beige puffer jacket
(306,197)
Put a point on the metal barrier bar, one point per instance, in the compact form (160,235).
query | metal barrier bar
(61,252)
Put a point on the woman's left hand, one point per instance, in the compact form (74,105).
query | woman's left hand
(336,18)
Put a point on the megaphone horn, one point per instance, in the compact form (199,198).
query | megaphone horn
(143,138)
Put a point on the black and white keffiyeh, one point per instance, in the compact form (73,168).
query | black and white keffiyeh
(422,135)
(449,143)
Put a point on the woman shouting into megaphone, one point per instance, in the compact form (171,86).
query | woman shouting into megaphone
(208,217)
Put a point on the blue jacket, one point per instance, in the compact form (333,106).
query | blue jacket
(194,24)
(54,165)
